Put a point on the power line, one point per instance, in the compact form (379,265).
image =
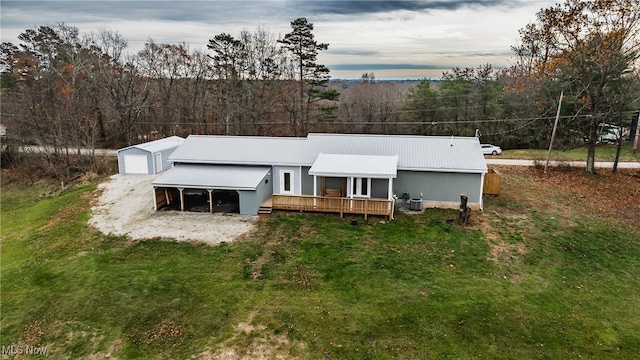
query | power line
(432,123)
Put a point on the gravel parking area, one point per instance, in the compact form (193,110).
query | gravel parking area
(124,206)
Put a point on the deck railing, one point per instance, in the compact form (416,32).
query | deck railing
(339,205)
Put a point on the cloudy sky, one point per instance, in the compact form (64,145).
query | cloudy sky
(393,39)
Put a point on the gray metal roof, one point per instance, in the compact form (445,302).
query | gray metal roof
(158,145)
(224,177)
(419,153)
(244,150)
(355,165)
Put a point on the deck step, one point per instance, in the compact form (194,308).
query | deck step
(265,210)
(266,207)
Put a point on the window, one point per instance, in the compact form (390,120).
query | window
(287,181)
(361,187)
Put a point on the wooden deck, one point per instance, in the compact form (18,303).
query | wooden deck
(340,205)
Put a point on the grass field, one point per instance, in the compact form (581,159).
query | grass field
(604,152)
(532,277)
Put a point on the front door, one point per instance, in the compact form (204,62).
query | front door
(361,186)
(286,182)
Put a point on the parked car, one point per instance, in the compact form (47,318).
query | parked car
(489,149)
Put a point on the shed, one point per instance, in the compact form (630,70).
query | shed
(148,158)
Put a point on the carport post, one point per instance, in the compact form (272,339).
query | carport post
(155,199)
(210,200)
(181,199)
(315,190)
(390,198)
(350,192)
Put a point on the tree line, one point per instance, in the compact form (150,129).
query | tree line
(86,91)
(69,90)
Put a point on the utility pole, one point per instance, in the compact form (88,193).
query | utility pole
(553,134)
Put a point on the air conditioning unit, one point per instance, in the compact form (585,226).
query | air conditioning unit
(415,204)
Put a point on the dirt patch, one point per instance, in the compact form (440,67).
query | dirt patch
(255,341)
(483,223)
(123,205)
(166,330)
(504,252)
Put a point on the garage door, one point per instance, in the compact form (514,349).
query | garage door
(135,164)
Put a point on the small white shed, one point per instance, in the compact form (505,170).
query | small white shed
(148,158)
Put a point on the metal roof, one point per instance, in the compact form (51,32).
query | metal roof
(244,150)
(224,177)
(419,153)
(355,165)
(158,145)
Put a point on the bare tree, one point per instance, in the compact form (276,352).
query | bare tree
(126,91)
(588,47)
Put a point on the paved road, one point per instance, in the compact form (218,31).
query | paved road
(598,164)
(490,160)
(42,149)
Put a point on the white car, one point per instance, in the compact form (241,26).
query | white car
(488,149)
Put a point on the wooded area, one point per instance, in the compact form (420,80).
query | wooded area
(64,89)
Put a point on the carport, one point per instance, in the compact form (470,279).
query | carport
(217,186)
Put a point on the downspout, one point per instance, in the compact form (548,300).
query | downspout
(481,202)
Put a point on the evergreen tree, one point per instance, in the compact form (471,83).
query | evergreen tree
(313,78)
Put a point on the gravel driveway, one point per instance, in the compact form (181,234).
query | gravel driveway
(124,206)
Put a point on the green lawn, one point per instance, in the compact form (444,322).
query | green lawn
(604,152)
(520,283)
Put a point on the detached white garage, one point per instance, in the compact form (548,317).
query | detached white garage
(148,158)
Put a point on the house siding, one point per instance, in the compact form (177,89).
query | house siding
(307,181)
(250,200)
(297,181)
(263,191)
(166,164)
(439,188)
